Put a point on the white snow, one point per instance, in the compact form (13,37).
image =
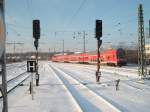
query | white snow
(54,96)
(132,96)
(50,96)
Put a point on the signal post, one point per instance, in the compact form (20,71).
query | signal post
(98,35)
(36,36)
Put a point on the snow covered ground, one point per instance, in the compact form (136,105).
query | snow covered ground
(133,94)
(50,96)
(72,88)
(14,70)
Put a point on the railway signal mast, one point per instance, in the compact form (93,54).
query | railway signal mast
(142,70)
(3,87)
(98,35)
(36,36)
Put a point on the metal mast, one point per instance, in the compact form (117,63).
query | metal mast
(63,50)
(84,49)
(142,71)
(98,35)
(3,56)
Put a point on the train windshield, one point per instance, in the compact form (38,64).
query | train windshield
(120,53)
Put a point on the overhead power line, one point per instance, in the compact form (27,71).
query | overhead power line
(17,25)
(29,3)
(78,10)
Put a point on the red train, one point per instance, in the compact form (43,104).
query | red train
(109,57)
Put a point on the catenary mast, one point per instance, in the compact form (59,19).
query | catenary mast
(142,71)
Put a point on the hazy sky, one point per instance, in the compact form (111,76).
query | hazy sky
(61,19)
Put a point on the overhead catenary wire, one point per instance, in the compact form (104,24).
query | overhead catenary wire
(77,11)
(29,3)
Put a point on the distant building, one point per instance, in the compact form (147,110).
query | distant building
(132,56)
(147,48)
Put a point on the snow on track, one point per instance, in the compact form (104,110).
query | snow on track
(14,70)
(13,83)
(132,96)
(73,100)
(72,88)
(125,71)
(50,96)
(87,99)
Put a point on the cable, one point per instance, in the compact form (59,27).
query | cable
(29,2)
(18,34)
(75,14)
(14,25)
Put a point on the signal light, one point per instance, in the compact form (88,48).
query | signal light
(36,29)
(98,29)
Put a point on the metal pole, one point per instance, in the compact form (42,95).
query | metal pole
(54,50)
(98,73)
(83,45)
(4,83)
(49,51)
(3,57)
(98,35)
(49,55)
(32,86)
(63,47)
(84,50)
(37,74)
(149,29)
(142,70)
(14,48)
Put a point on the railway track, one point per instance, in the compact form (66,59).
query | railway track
(86,98)
(17,65)
(16,81)
(15,72)
(134,82)
(121,72)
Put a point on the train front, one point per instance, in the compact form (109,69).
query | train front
(121,57)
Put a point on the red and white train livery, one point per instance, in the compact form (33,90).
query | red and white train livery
(114,57)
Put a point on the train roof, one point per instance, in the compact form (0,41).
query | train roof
(90,53)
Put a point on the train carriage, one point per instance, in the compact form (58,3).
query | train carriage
(116,57)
